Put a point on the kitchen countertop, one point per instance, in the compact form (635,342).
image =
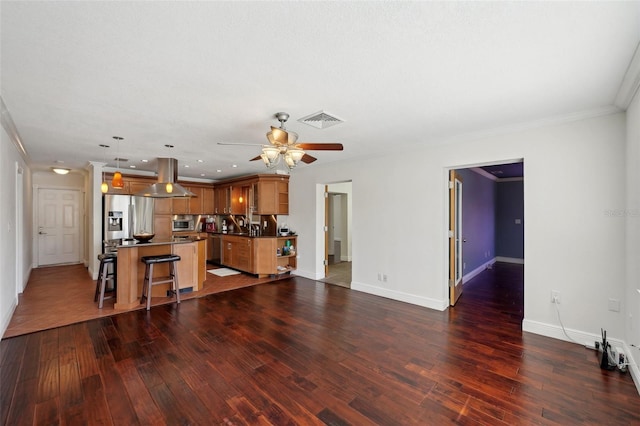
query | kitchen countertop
(159,241)
(245,234)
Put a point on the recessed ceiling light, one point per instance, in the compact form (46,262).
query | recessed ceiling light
(219,171)
(186,166)
(145,161)
(234,166)
(202,174)
(59,161)
(132,166)
(200,161)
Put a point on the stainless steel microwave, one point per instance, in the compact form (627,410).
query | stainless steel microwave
(183,223)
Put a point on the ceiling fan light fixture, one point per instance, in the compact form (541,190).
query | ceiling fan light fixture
(295,154)
(271,152)
(289,161)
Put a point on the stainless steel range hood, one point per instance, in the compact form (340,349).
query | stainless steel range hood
(166,186)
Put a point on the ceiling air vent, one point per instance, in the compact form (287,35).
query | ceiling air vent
(321,120)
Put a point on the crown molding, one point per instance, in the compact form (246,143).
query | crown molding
(10,127)
(630,82)
(533,124)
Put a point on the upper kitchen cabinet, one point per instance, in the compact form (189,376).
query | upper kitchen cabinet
(240,199)
(230,199)
(208,203)
(257,194)
(222,199)
(190,205)
(271,195)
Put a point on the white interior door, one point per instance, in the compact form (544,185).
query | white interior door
(58,226)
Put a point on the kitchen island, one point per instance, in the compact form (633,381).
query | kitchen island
(191,268)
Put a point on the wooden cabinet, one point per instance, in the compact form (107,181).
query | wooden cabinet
(162,205)
(237,252)
(260,256)
(240,199)
(270,195)
(162,225)
(260,194)
(189,205)
(222,199)
(208,202)
(187,267)
(195,203)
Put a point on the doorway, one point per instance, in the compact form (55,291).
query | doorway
(337,244)
(491,222)
(58,225)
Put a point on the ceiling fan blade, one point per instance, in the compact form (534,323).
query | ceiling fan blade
(256,158)
(320,146)
(308,159)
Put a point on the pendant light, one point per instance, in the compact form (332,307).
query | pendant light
(117,181)
(104,187)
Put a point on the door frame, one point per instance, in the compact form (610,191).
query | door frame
(82,220)
(19,227)
(445,222)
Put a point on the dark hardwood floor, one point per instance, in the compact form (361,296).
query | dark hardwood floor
(297,351)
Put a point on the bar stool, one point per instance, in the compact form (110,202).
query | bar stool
(104,275)
(148,276)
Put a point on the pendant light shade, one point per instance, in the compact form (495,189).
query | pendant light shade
(117,181)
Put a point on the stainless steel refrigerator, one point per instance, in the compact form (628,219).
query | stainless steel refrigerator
(123,216)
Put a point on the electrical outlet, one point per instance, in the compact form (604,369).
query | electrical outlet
(555,296)
(384,278)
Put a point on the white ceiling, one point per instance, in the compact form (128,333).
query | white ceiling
(192,74)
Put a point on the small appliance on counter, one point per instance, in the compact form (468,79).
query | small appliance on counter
(284,231)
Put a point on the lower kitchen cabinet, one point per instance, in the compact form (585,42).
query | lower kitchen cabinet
(237,252)
(260,256)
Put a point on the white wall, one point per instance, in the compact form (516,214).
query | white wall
(631,214)
(574,174)
(13,265)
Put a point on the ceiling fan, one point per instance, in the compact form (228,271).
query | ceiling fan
(284,144)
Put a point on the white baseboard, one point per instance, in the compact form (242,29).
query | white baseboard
(6,317)
(555,332)
(479,269)
(632,358)
(510,260)
(426,302)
